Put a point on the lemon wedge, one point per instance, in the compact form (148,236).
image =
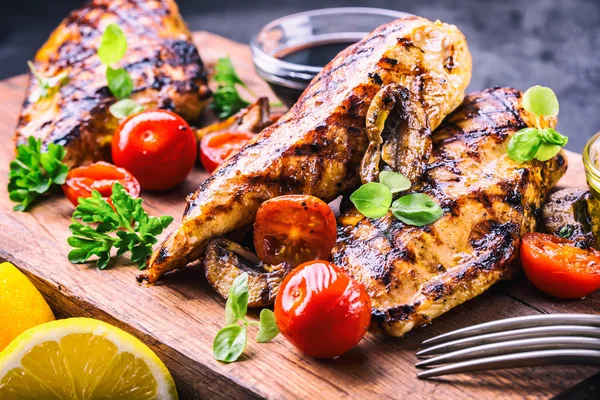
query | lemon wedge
(21,305)
(82,358)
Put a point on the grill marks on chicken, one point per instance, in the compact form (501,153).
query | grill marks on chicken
(317,147)
(415,274)
(164,64)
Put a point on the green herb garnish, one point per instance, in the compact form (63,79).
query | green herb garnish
(539,143)
(374,199)
(34,172)
(230,342)
(394,181)
(47,87)
(124,108)
(226,99)
(134,231)
(113,46)
(416,209)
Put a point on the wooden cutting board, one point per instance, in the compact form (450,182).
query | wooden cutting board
(179,317)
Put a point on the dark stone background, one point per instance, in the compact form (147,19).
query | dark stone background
(516,43)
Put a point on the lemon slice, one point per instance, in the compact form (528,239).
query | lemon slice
(82,358)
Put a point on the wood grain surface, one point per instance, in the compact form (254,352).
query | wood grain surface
(179,317)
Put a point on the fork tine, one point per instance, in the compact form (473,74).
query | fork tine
(513,346)
(528,359)
(517,323)
(537,332)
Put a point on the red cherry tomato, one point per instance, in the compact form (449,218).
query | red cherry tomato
(217,146)
(157,147)
(294,229)
(100,176)
(321,310)
(558,267)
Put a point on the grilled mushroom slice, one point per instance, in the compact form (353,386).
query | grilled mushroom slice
(567,214)
(254,119)
(225,260)
(399,134)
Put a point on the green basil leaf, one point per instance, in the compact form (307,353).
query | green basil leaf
(372,199)
(524,144)
(416,209)
(268,327)
(119,82)
(239,296)
(124,108)
(552,136)
(113,45)
(229,344)
(230,315)
(394,181)
(541,101)
(547,151)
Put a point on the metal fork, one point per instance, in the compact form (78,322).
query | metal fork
(553,339)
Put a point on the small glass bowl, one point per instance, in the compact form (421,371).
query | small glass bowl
(308,29)
(591,158)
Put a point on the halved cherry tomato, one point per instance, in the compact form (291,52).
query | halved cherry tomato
(321,310)
(217,146)
(157,147)
(100,176)
(294,229)
(558,267)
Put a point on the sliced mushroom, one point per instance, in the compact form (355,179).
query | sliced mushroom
(399,134)
(225,260)
(254,119)
(566,214)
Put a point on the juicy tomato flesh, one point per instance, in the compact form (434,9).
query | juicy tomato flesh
(558,267)
(100,176)
(294,229)
(217,146)
(157,146)
(321,310)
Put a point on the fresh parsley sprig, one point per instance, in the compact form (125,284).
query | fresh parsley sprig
(134,231)
(34,172)
(113,46)
(230,342)
(539,143)
(374,199)
(47,86)
(226,99)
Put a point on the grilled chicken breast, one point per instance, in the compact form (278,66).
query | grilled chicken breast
(414,274)
(161,59)
(317,147)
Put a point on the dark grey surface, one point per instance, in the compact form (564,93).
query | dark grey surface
(515,43)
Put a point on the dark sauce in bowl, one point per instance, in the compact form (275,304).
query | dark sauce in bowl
(290,51)
(312,55)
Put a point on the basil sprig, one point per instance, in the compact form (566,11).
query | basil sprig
(47,86)
(230,342)
(113,46)
(374,199)
(539,143)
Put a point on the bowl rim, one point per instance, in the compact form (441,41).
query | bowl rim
(588,163)
(260,54)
